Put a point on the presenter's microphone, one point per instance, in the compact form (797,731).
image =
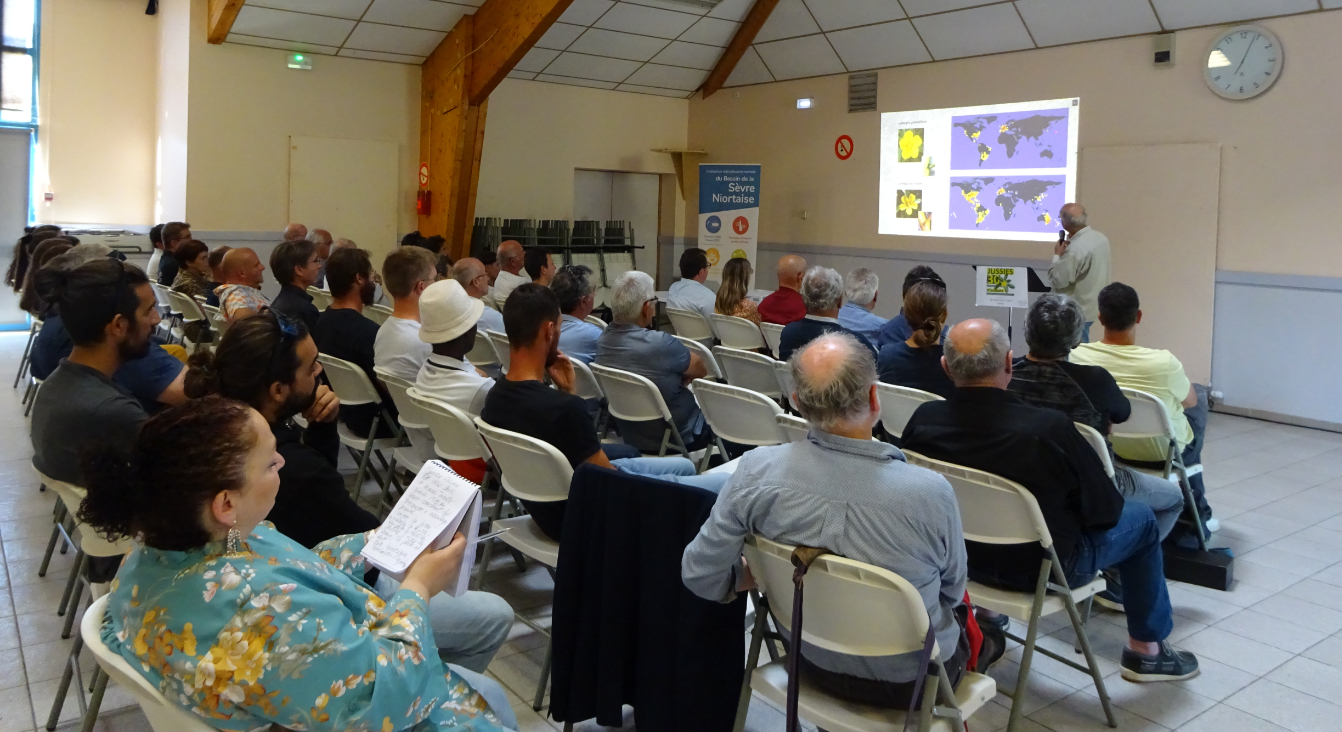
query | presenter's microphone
(1062,236)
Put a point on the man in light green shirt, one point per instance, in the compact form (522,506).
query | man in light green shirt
(1152,370)
(1080,263)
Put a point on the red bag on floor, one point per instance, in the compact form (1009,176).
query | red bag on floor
(975,636)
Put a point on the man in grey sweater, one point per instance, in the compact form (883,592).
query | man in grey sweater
(1080,263)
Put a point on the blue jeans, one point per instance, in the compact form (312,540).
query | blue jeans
(468,630)
(672,469)
(1165,498)
(1192,455)
(493,694)
(1133,547)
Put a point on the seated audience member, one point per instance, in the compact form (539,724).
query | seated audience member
(217,273)
(1086,394)
(860,289)
(295,265)
(343,331)
(29,301)
(1154,371)
(443,266)
(321,238)
(270,363)
(822,291)
(689,292)
(448,317)
(577,296)
(205,508)
(470,273)
(916,361)
(193,280)
(491,262)
(408,271)
(629,345)
(540,265)
(173,235)
(511,261)
(897,329)
(785,305)
(788,493)
(985,426)
(240,294)
(295,232)
(521,402)
(731,298)
(155,258)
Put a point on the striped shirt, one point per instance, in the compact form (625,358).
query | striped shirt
(857,498)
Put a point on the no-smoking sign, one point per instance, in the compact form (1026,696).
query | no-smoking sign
(843,147)
(423,174)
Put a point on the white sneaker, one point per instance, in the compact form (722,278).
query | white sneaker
(1213,525)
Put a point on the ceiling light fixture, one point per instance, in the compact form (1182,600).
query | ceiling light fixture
(805,103)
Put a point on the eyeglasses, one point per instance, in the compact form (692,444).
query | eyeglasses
(289,331)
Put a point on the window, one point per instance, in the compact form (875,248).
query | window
(18,61)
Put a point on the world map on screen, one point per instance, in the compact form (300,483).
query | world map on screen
(1006,203)
(1036,139)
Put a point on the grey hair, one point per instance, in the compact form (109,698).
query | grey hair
(821,289)
(1053,326)
(1073,219)
(79,256)
(860,286)
(571,285)
(627,296)
(320,237)
(988,362)
(342,243)
(842,397)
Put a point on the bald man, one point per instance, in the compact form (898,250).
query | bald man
(470,272)
(240,295)
(984,426)
(785,305)
(793,492)
(1080,263)
(511,262)
(294,232)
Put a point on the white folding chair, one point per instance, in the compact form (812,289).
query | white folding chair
(783,373)
(353,387)
(634,398)
(377,313)
(737,332)
(482,353)
(499,342)
(532,471)
(710,362)
(25,362)
(773,336)
(994,510)
(191,313)
(1151,420)
(413,425)
(749,370)
(217,321)
(321,299)
(898,403)
(163,714)
(860,610)
(1097,444)
(171,315)
(594,320)
(737,415)
(690,324)
(793,426)
(586,386)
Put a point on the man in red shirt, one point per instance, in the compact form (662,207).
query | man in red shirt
(785,304)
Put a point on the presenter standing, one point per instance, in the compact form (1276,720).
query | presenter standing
(1080,263)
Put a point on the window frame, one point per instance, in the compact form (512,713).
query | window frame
(35,54)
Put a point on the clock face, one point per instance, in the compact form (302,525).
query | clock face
(1243,62)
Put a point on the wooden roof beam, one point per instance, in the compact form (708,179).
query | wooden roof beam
(504,31)
(222,15)
(745,35)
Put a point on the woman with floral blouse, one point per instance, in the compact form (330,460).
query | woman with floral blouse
(244,627)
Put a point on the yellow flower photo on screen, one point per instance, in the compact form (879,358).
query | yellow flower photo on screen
(911,145)
(910,203)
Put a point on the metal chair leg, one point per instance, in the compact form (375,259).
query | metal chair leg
(1027,655)
(545,677)
(67,677)
(95,700)
(752,659)
(1078,627)
(51,549)
(70,583)
(73,609)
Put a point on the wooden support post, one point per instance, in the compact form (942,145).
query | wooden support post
(745,35)
(221,16)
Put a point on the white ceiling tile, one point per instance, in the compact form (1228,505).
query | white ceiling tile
(734,9)
(670,5)
(525,75)
(653,90)
(427,14)
(390,38)
(923,7)
(879,46)
(993,29)
(536,60)
(1189,13)
(645,20)
(848,13)
(560,36)
(692,55)
(795,58)
(600,42)
(570,81)
(712,31)
(291,26)
(749,70)
(585,12)
(282,45)
(1055,22)
(668,77)
(396,58)
(592,67)
(790,18)
(352,9)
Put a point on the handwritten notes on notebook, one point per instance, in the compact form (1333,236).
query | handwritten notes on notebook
(437,505)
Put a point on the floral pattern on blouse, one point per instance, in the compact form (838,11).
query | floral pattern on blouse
(276,633)
(745,309)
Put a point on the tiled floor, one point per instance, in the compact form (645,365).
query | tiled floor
(1270,649)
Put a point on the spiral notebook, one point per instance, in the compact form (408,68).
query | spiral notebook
(437,505)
